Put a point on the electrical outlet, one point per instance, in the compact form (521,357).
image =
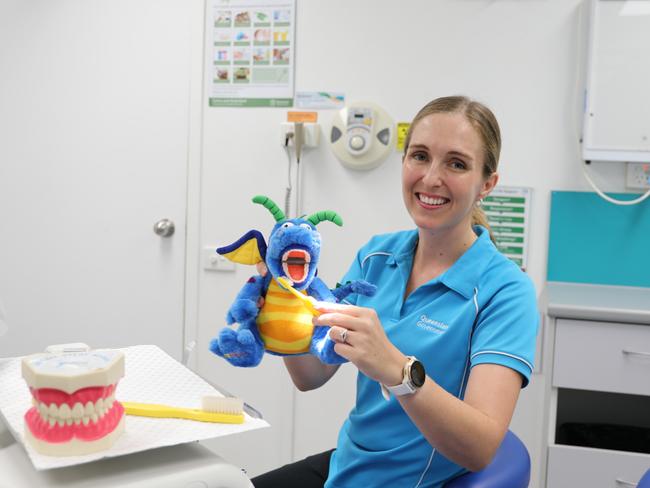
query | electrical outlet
(311,133)
(638,176)
(216,262)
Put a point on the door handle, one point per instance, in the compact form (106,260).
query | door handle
(164,228)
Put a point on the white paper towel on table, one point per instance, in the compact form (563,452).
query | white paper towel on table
(151,376)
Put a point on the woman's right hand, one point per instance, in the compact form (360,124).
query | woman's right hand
(366,344)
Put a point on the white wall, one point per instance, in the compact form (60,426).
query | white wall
(522,58)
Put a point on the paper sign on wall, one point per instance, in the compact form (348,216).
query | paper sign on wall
(320,100)
(402,130)
(508,213)
(252,46)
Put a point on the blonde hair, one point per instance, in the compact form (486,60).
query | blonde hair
(486,125)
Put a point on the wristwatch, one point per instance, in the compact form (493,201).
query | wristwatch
(413,377)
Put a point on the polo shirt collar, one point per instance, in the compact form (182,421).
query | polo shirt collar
(464,274)
(404,253)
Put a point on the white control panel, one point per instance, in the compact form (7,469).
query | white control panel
(362,135)
(359,129)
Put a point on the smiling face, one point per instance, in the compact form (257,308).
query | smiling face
(443,174)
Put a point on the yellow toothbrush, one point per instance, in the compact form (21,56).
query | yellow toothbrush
(307,300)
(215,409)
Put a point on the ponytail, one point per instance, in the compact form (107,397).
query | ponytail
(479,218)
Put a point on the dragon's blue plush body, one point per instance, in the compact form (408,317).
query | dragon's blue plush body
(283,325)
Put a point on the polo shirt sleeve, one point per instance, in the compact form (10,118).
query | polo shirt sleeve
(506,328)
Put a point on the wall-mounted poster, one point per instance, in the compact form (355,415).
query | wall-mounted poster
(508,213)
(251,46)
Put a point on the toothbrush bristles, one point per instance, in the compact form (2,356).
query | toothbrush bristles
(217,404)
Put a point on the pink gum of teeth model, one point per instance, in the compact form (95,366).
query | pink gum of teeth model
(73,393)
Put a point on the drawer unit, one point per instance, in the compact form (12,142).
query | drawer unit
(580,467)
(602,356)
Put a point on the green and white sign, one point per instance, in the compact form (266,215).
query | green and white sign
(250,53)
(508,213)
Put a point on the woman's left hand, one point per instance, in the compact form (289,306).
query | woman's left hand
(364,342)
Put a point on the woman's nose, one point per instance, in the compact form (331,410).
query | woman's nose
(433,176)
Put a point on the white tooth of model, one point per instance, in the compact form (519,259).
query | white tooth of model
(99,407)
(90,409)
(78,411)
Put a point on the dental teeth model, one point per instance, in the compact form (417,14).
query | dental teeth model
(73,395)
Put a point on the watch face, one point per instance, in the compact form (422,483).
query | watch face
(417,374)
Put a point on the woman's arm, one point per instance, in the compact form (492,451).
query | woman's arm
(308,372)
(467,431)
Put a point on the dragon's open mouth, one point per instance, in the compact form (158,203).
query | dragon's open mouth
(295,264)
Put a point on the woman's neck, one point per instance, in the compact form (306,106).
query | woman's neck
(437,252)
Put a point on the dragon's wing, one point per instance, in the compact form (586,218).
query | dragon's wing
(248,249)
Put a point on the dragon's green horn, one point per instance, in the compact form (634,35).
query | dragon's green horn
(330,215)
(270,204)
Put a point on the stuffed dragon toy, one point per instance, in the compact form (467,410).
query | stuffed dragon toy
(283,325)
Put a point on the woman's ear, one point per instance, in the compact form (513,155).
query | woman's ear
(488,185)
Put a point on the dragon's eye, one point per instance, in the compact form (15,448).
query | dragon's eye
(305,226)
(286,225)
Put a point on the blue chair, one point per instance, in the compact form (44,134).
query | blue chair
(645,481)
(510,468)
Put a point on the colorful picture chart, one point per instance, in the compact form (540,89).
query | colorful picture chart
(508,213)
(251,53)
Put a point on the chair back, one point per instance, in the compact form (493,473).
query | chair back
(510,468)
(645,481)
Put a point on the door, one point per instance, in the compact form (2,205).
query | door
(94,124)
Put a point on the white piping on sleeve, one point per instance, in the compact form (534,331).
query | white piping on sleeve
(504,354)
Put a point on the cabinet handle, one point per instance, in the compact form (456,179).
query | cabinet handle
(636,353)
(619,481)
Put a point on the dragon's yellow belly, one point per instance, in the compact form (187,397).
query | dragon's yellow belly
(284,322)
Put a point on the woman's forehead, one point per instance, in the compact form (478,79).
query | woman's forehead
(451,131)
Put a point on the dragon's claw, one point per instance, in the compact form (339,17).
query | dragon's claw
(244,309)
(245,337)
(239,348)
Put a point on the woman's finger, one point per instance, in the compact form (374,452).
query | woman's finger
(261,268)
(336,319)
(327,307)
(339,335)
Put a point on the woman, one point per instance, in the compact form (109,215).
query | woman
(445,296)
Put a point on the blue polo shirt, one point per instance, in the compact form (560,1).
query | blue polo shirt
(483,309)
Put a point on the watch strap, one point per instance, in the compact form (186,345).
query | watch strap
(406,387)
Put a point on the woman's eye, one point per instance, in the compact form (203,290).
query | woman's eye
(458,164)
(419,156)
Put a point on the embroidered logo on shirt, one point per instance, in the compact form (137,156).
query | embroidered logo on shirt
(432,325)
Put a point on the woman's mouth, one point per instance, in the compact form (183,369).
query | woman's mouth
(431,201)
